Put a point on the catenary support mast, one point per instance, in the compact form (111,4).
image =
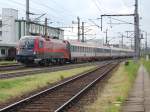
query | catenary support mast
(27,17)
(136,28)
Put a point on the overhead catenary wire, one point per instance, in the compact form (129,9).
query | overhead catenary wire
(54,10)
(96,5)
(122,21)
(62,8)
(17,3)
(32,9)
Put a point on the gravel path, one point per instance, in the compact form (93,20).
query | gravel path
(139,96)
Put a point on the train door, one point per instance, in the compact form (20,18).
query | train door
(68,46)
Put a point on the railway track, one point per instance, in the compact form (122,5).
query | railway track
(11,67)
(35,71)
(60,97)
(22,67)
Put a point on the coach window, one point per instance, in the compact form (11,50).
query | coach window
(74,48)
(3,51)
(86,49)
(41,44)
(71,48)
(80,49)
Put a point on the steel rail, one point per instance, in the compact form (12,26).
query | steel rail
(26,100)
(82,92)
(43,70)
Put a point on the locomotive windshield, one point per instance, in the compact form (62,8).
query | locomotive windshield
(26,43)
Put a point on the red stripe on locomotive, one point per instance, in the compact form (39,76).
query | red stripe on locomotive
(50,47)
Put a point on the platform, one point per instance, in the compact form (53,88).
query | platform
(139,96)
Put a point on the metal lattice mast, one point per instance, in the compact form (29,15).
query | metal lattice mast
(27,17)
(136,31)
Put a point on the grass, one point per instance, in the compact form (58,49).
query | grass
(16,87)
(14,71)
(115,91)
(146,64)
(3,63)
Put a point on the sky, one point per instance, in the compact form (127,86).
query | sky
(61,13)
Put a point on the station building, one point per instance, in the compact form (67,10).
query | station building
(12,29)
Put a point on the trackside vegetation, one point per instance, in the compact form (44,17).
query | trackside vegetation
(146,64)
(3,63)
(16,87)
(116,90)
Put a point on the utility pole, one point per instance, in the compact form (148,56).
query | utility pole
(78,19)
(122,40)
(83,32)
(136,31)
(130,36)
(106,36)
(45,27)
(27,17)
(146,43)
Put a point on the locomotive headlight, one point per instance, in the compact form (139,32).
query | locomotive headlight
(34,52)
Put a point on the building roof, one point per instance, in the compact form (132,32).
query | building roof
(7,45)
(40,24)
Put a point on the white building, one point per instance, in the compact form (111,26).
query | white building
(7,30)
(8,26)
(0,27)
(12,29)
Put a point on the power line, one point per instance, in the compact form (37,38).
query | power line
(70,13)
(122,21)
(96,5)
(53,9)
(125,4)
(18,3)
(21,4)
(94,23)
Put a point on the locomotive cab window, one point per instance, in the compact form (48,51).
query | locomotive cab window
(30,44)
(26,44)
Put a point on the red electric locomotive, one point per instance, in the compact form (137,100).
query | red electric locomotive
(36,49)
